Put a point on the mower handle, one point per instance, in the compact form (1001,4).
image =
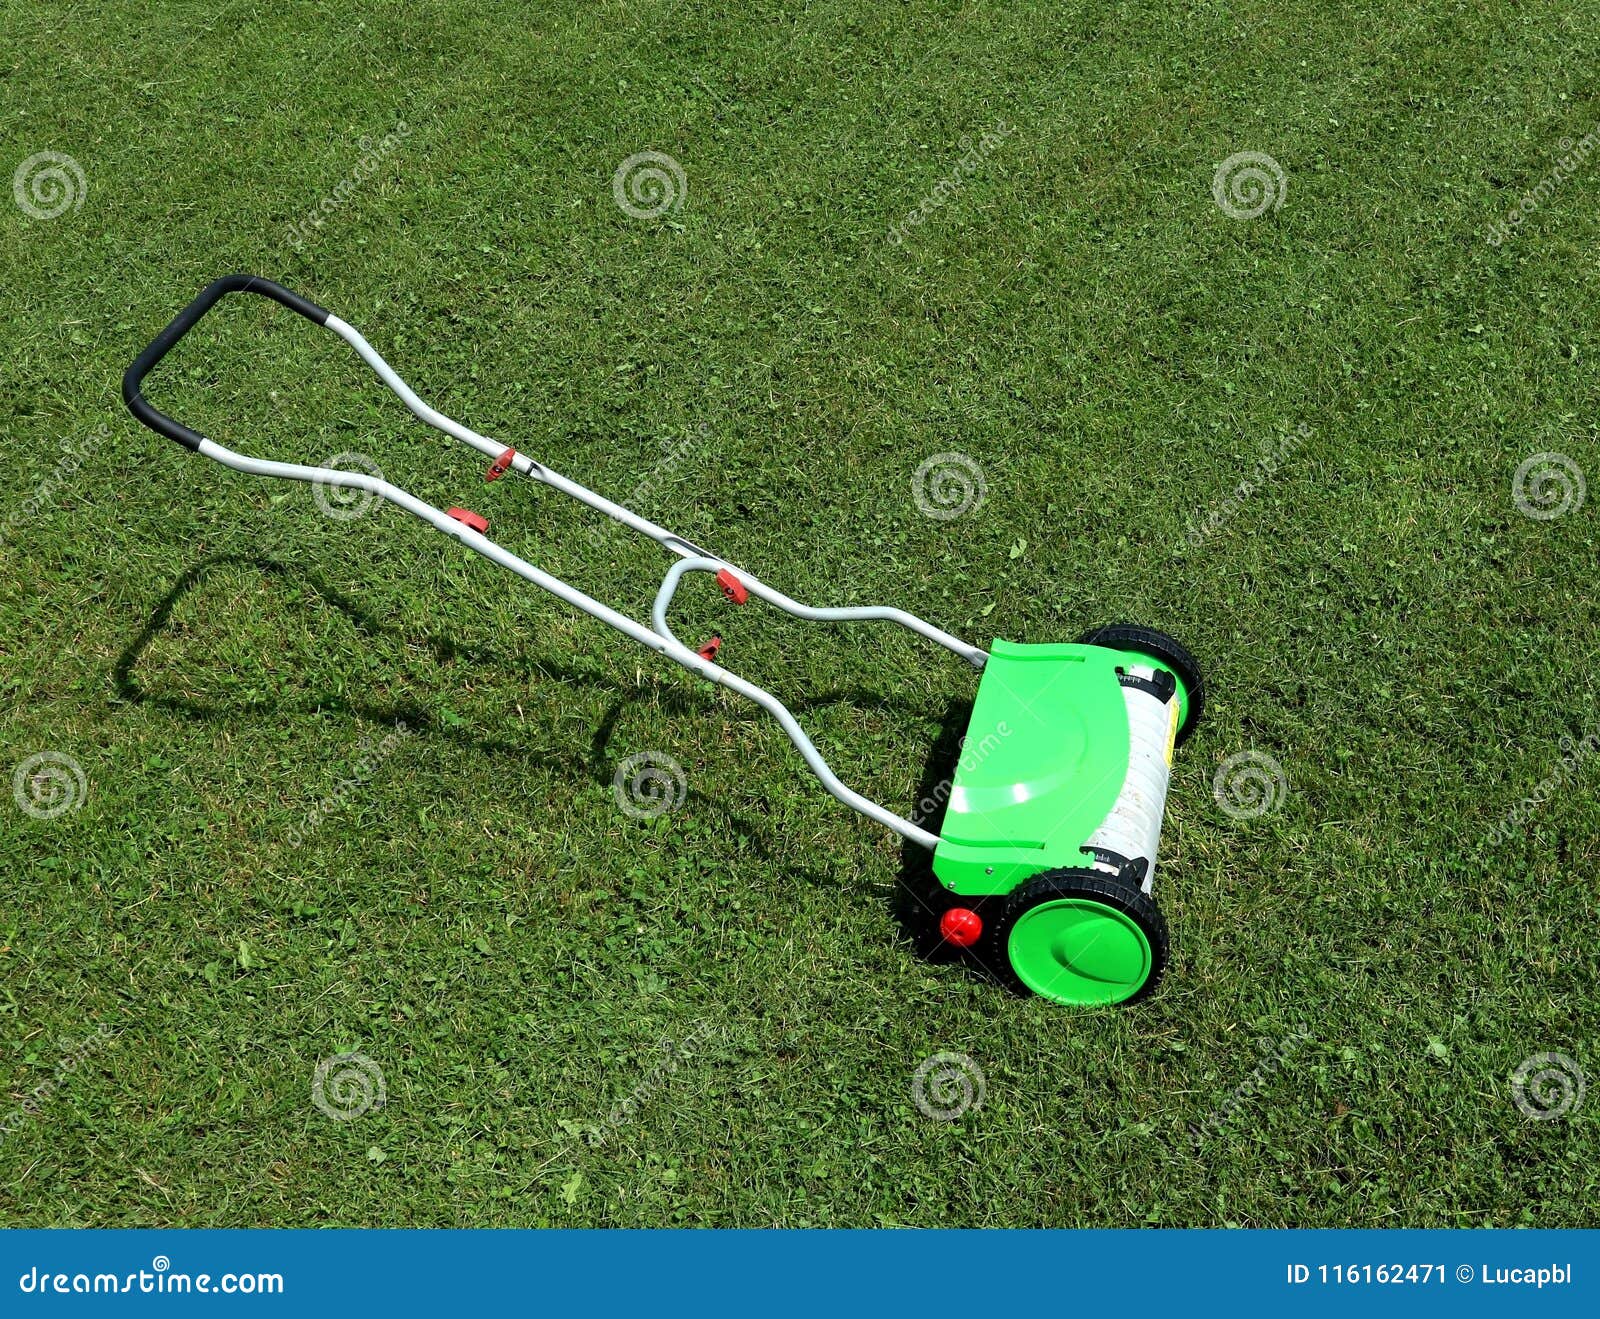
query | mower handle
(182,323)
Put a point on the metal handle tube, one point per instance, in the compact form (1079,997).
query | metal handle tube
(519,462)
(840,614)
(657,638)
(186,319)
(408,396)
(661,644)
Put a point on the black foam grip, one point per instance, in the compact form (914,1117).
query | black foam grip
(182,323)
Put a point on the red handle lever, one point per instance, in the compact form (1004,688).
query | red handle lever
(500,466)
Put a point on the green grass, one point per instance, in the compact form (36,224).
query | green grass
(1080,319)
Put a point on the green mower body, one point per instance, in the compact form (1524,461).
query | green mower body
(1047,849)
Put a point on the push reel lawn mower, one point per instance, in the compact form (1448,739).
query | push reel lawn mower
(1047,849)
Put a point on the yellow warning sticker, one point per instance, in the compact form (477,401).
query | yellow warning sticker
(1172,730)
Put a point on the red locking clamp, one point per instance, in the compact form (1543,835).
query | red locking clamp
(467,517)
(732,587)
(709,650)
(500,466)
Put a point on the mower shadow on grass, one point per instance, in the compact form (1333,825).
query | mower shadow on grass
(690,705)
(919,897)
(597,766)
(412,715)
(128,688)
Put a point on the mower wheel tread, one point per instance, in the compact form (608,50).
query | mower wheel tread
(1169,650)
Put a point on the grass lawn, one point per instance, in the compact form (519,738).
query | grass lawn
(347,790)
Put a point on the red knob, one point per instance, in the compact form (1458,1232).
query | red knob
(961,926)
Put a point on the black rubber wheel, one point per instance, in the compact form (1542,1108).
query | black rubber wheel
(1127,908)
(1169,650)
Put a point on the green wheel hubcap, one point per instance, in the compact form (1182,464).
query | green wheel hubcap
(1074,950)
